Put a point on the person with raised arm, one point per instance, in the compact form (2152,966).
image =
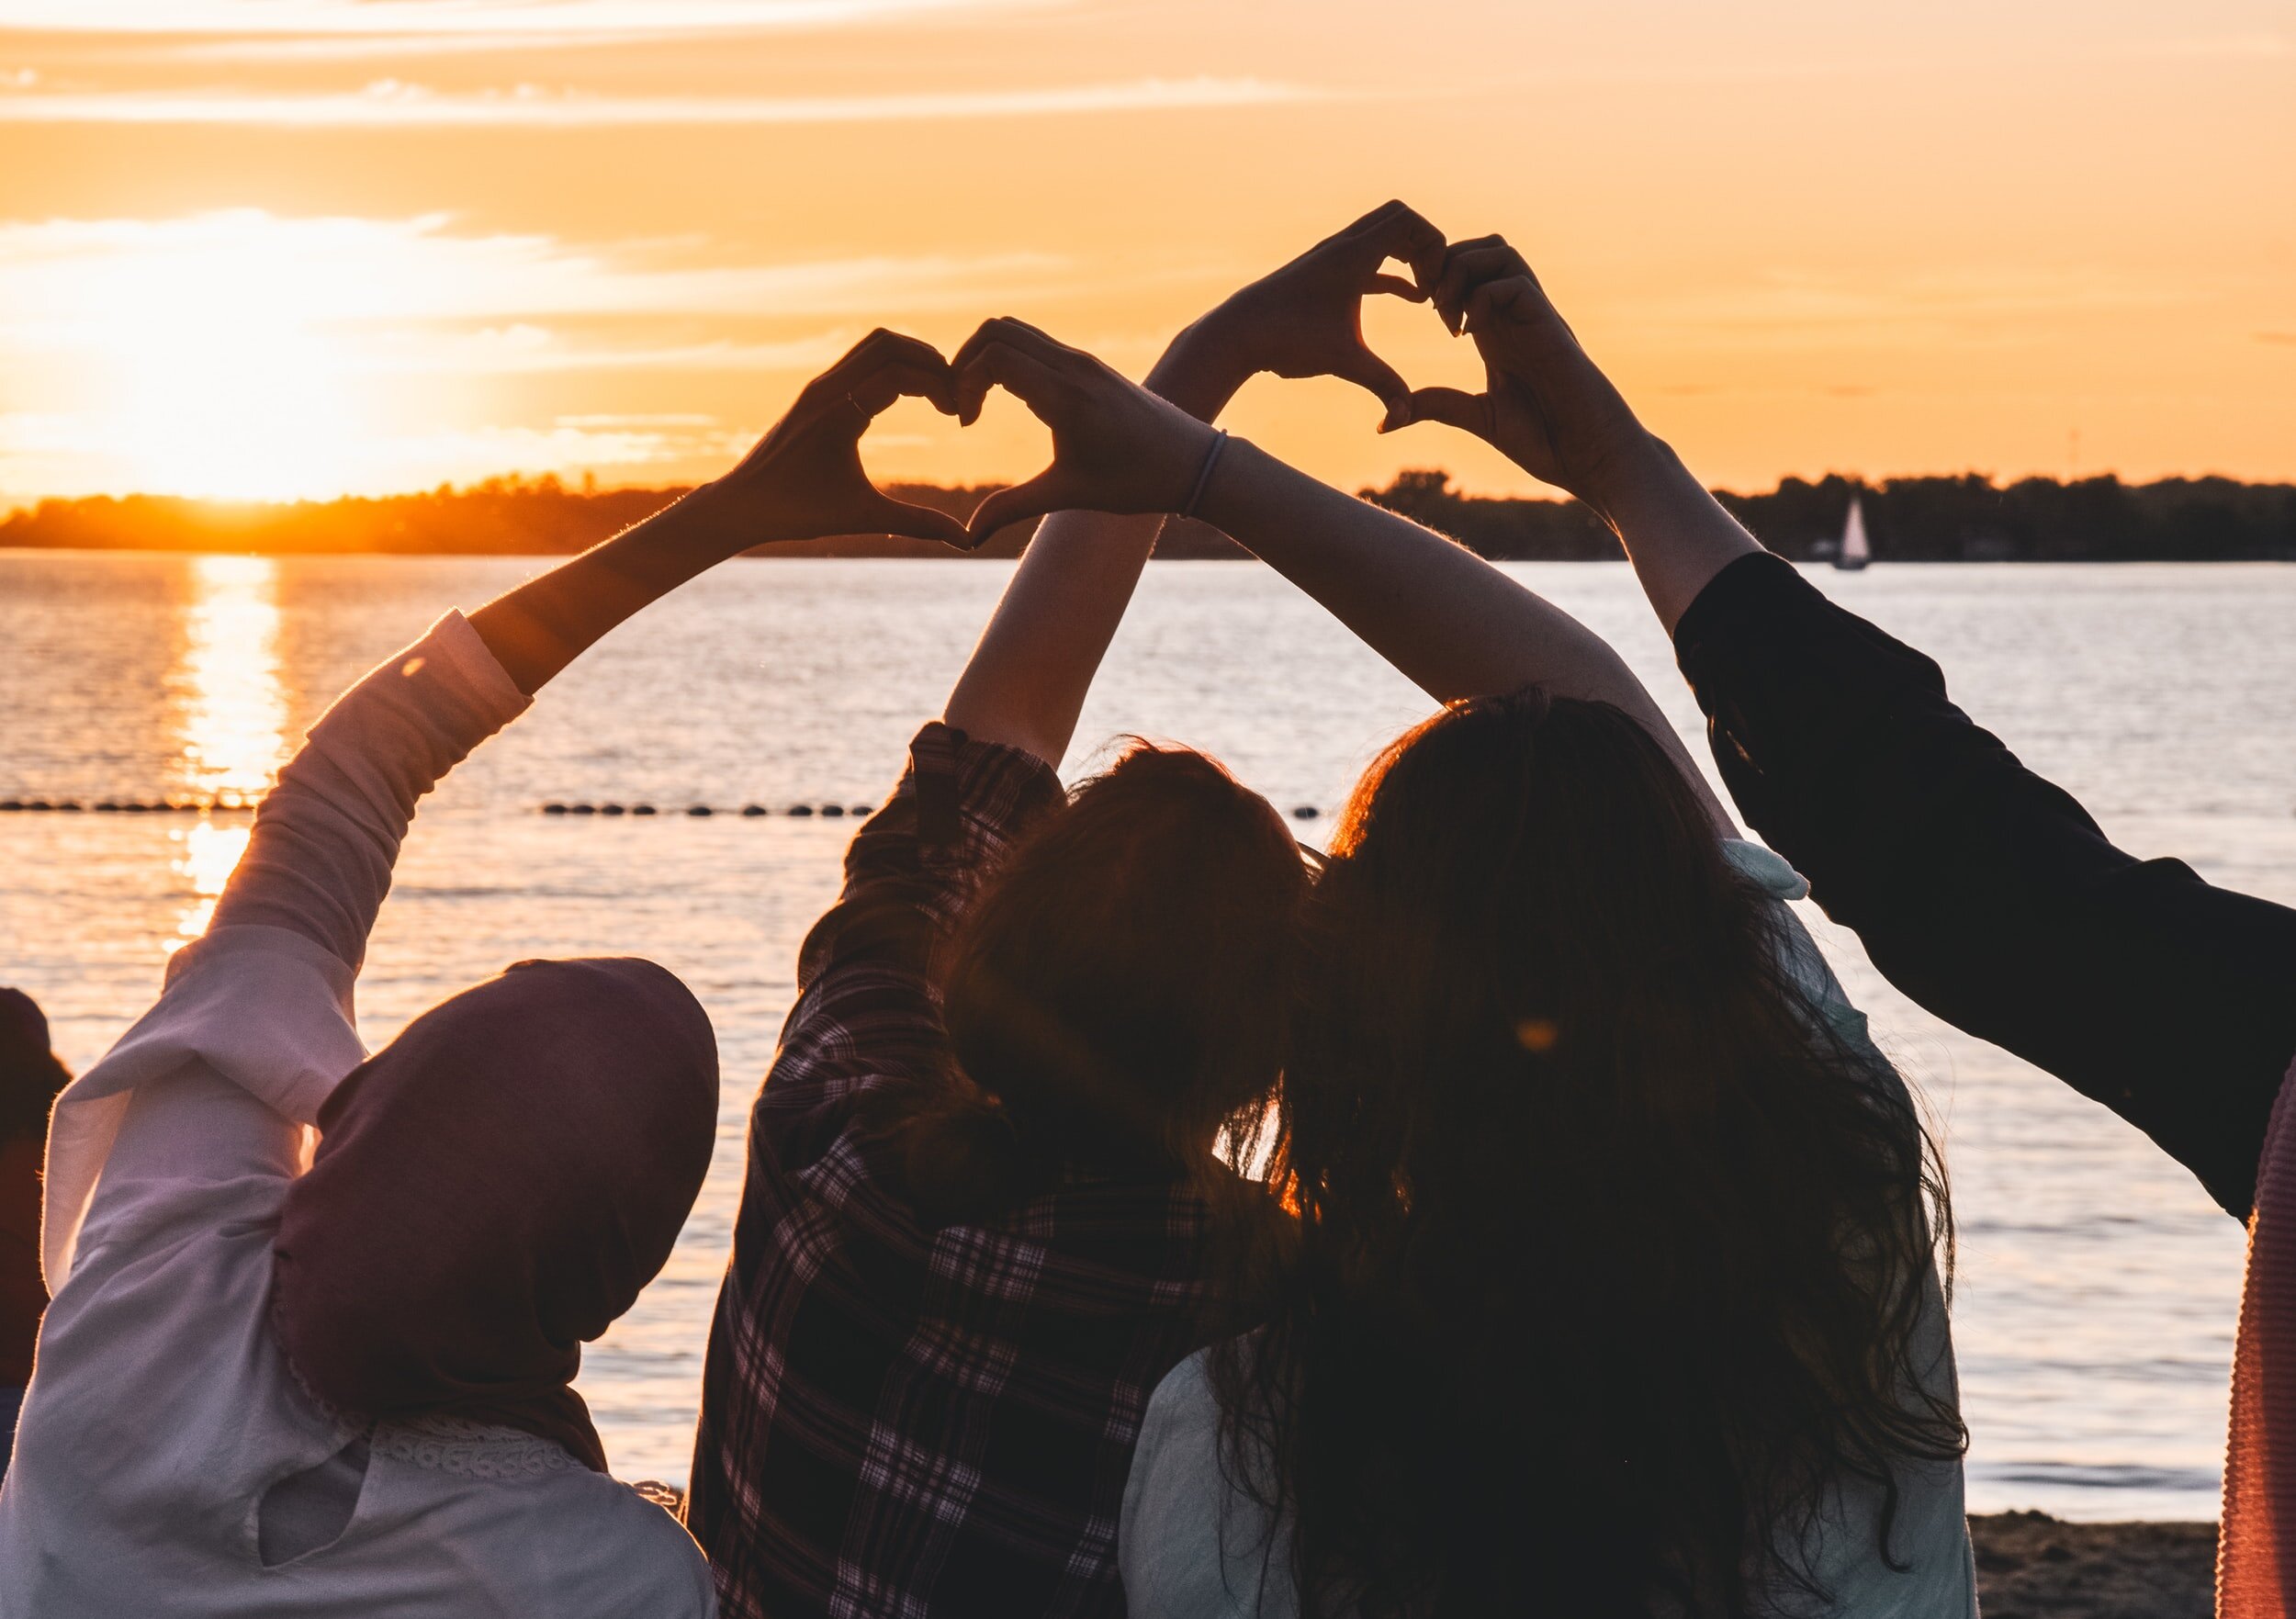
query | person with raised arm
(1985,892)
(318,1312)
(983,1215)
(1614,1289)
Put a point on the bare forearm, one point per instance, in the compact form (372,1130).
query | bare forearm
(1444,617)
(1676,533)
(1453,623)
(538,628)
(1027,680)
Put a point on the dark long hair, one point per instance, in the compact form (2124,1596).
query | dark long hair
(1116,994)
(1611,1255)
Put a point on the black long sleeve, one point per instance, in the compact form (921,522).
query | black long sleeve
(1985,892)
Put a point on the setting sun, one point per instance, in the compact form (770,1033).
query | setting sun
(224,380)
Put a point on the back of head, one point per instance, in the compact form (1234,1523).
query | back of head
(31,1074)
(492,1189)
(1118,992)
(1610,1255)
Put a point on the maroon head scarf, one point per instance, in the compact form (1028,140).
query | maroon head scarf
(493,1188)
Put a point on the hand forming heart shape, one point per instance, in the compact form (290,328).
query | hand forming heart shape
(1306,319)
(1117,448)
(804,478)
(1544,405)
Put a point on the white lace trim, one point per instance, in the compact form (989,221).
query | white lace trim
(471,1450)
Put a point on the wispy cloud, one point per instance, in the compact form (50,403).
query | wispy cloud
(392,104)
(524,349)
(57,274)
(449,18)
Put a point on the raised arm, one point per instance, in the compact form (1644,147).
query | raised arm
(319,861)
(1548,409)
(1448,619)
(1982,891)
(1028,678)
(804,481)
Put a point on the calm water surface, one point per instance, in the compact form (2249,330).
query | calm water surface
(2097,1284)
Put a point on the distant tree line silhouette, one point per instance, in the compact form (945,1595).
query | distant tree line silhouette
(1968,517)
(1965,518)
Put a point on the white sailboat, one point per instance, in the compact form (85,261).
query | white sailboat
(1855,552)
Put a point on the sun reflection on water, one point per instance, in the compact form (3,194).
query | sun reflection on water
(231,716)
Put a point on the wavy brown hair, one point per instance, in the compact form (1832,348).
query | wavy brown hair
(1116,994)
(1611,1253)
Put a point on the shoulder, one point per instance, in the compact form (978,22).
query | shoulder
(1769,873)
(1186,1394)
(959,807)
(168,1311)
(1764,868)
(614,1552)
(1175,1485)
(1191,1543)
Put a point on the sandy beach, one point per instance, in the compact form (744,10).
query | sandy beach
(2030,1566)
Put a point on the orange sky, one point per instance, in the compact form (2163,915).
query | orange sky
(286,247)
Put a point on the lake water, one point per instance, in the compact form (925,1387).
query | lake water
(2097,1284)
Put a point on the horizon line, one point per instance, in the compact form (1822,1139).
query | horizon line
(588,487)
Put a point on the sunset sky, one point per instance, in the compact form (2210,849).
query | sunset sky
(272,248)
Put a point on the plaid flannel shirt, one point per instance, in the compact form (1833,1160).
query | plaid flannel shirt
(899,1423)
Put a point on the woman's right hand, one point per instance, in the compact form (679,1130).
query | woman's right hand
(1116,446)
(1306,318)
(1545,406)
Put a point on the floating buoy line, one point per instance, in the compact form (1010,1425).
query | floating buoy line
(224,803)
(233,802)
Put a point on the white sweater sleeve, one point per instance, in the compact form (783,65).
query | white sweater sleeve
(264,999)
(319,860)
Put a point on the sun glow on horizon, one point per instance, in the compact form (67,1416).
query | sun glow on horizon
(223,380)
(270,248)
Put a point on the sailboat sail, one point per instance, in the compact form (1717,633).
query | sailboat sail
(1855,551)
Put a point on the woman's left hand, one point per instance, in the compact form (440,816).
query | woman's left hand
(805,479)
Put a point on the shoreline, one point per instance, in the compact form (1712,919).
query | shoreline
(1954,517)
(2031,1566)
